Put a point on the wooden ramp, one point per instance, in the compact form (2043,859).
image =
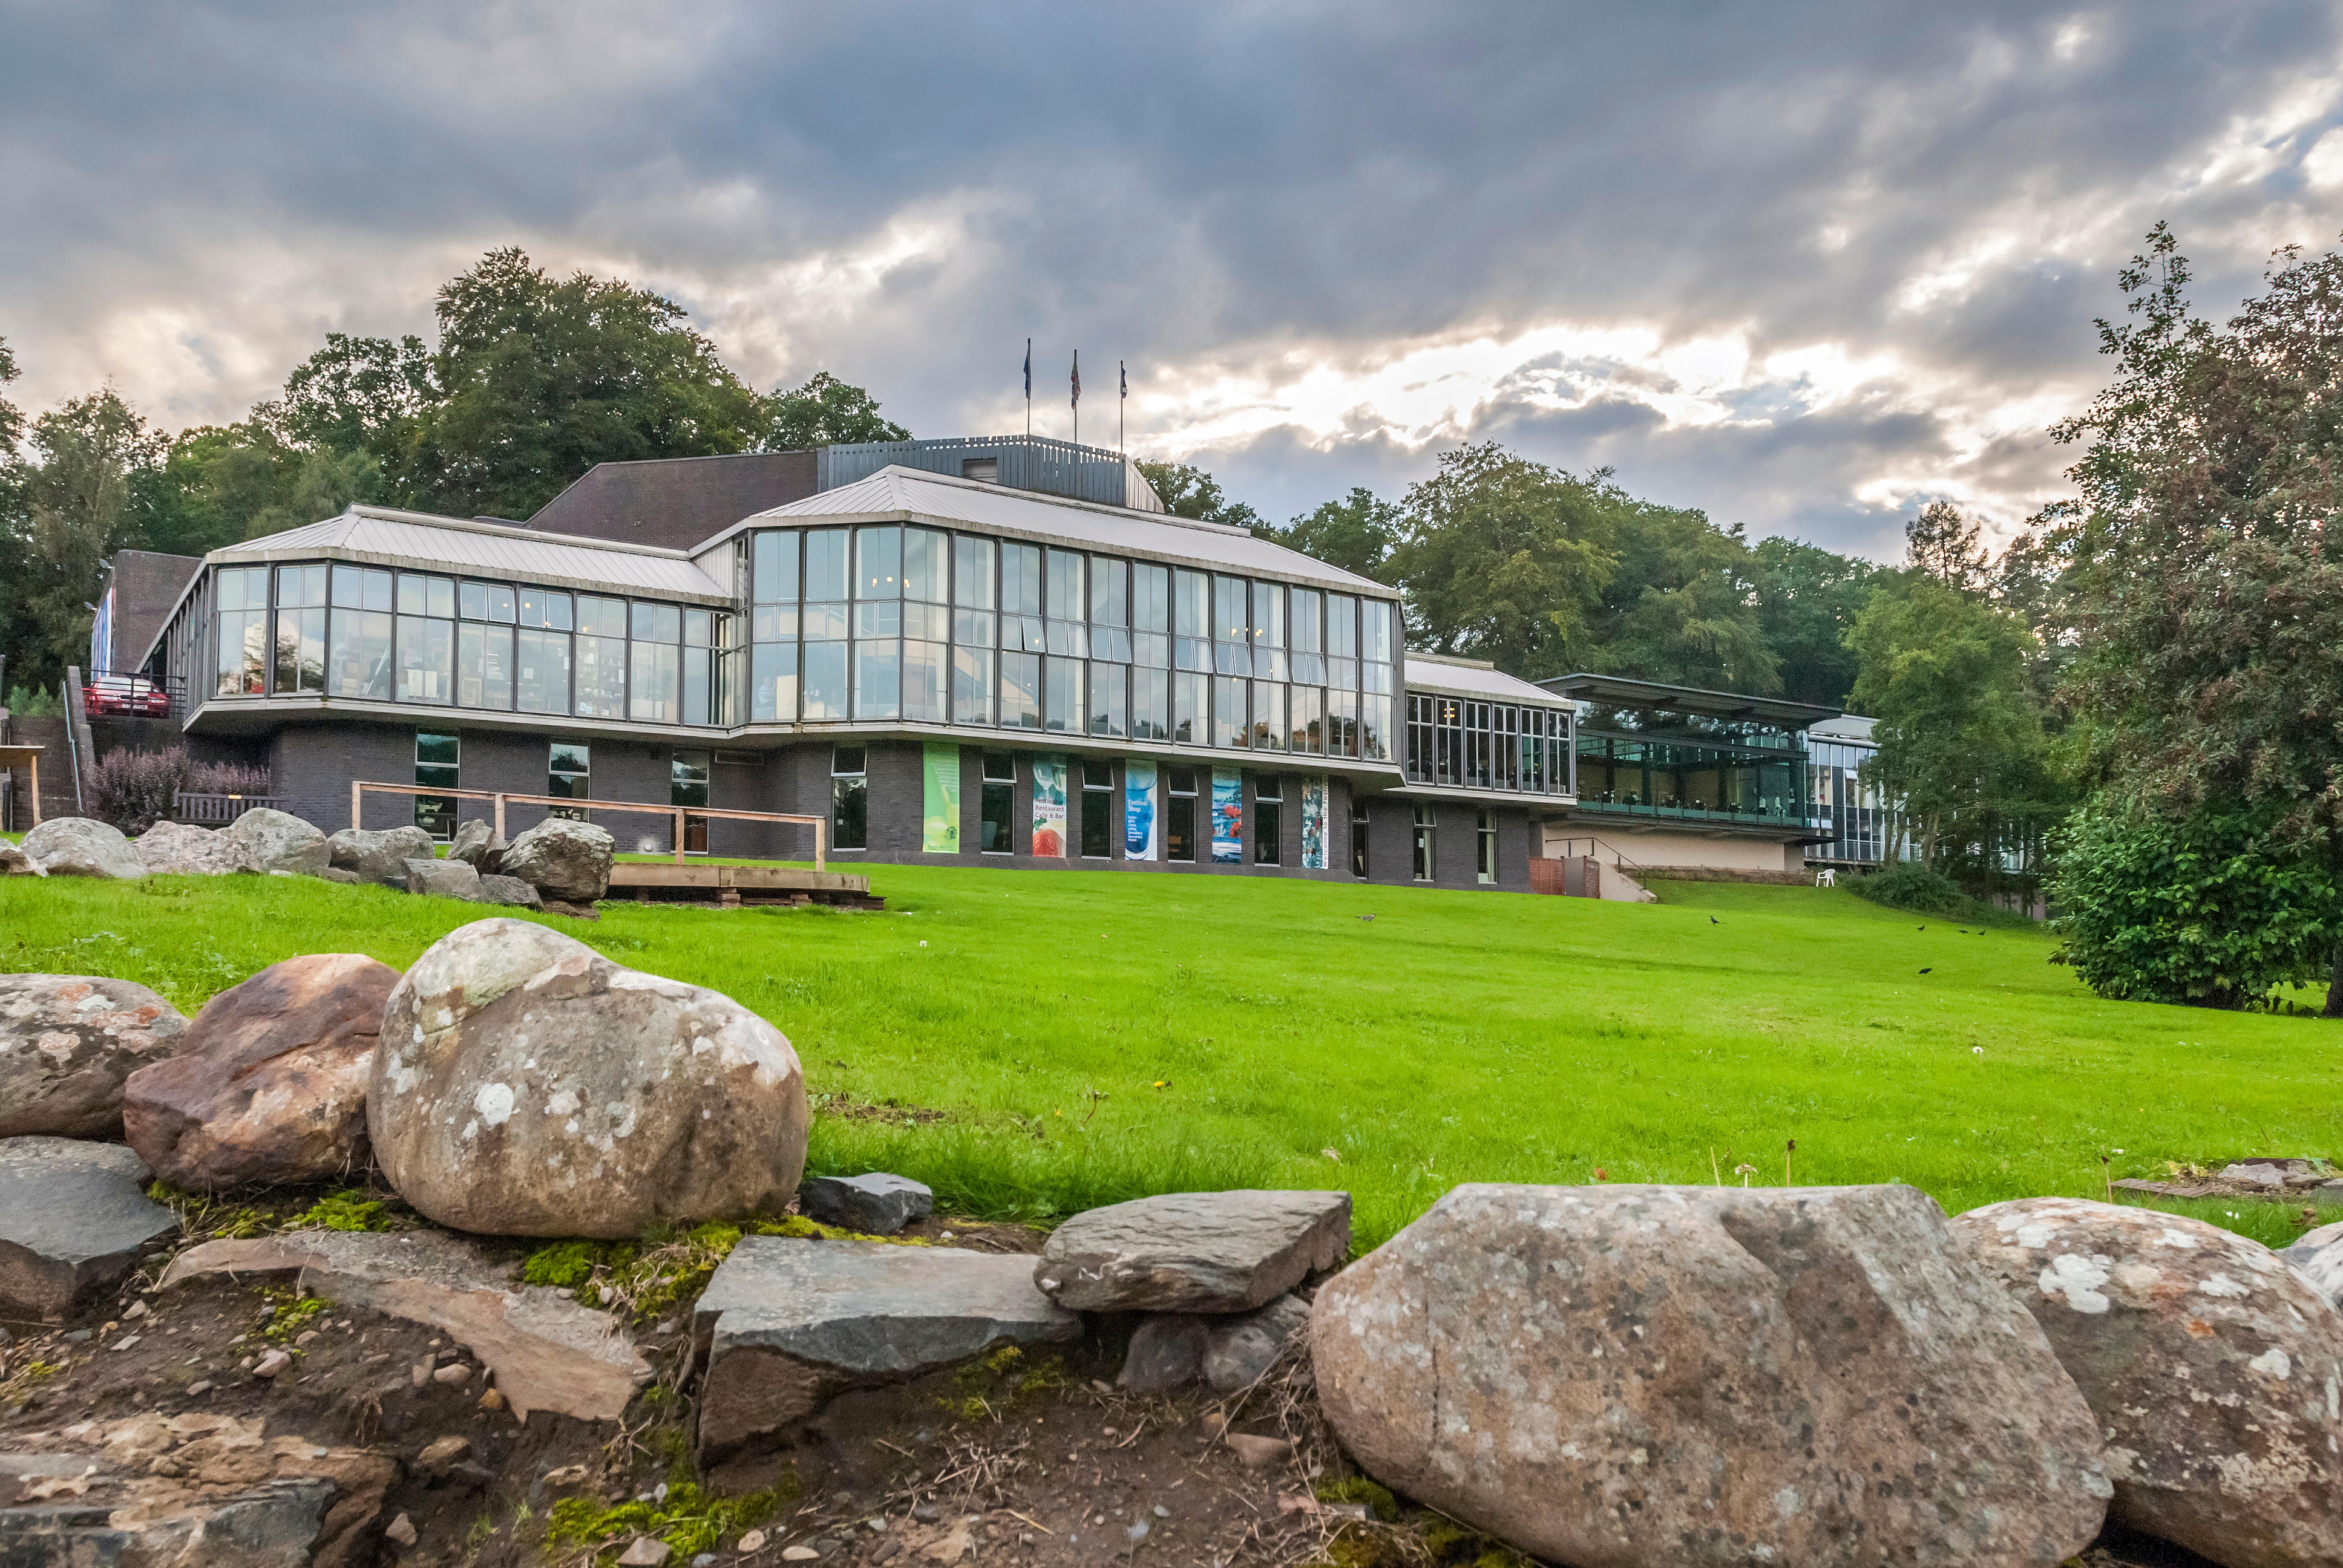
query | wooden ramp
(730,887)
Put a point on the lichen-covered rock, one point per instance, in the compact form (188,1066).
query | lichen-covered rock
(528,1086)
(379,855)
(1631,1375)
(184,849)
(562,859)
(67,1043)
(83,847)
(2214,1367)
(473,842)
(269,1084)
(508,891)
(443,879)
(280,841)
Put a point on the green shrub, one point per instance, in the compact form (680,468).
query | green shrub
(1917,889)
(2209,910)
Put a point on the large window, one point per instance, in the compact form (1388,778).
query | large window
(242,662)
(823,692)
(849,798)
(357,659)
(541,659)
(439,760)
(484,645)
(774,630)
(655,677)
(974,628)
(426,638)
(1426,822)
(687,786)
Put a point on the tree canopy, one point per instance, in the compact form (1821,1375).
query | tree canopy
(824,412)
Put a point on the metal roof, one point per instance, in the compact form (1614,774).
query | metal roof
(1472,678)
(896,492)
(389,537)
(1618,691)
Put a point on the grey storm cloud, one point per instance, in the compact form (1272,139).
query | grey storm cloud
(1801,265)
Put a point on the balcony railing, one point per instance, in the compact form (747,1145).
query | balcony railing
(107,694)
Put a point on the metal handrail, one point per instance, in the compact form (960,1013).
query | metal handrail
(819,824)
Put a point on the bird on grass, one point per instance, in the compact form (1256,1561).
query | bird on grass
(1925,970)
(1366,917)
(1715,921)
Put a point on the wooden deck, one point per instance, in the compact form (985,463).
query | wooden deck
(731,886)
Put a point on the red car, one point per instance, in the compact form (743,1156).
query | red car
(130,696)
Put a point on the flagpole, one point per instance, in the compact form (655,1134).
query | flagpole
(1029,388)
(1122,380)
(1078,397)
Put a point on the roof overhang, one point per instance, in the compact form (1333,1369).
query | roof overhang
(1618,691)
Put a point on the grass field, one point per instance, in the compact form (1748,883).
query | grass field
(1091,1036)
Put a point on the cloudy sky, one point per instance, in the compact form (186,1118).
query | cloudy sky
(1804,267)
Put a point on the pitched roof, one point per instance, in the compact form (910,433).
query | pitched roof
(898,492)
(418,540)
(675,502)
(1472,678)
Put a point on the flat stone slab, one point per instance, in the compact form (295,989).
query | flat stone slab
(72,1217)
(548,1351)
(1193,1251)
(879,1203)
(787,1324)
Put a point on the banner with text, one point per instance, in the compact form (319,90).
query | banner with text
(939,820)
(1142,813)
(1049,805)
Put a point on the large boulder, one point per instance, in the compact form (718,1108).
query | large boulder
(2319,1255)
(379,855)
(510,892)
(563,860)
(280,841)
(528,1086)
(14,862)
(184,849)
(269,1084)
(443,879)
(1193,1251)
(83,847)
(67,1044)
(1631,1375)
(72,1217)
(473,842)
(2213,1367)
(789,1324)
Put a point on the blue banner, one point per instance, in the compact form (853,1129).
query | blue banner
(1228,817)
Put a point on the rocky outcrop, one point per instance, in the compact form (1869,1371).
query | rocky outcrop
(83,847)
(789,1324)
(443,879)
(379,855)
(67,1043)
(474,842)
(1642,1375)
(269,1084)
(876,1204)
(190,1490)
(72,1217)
(2212,1365)
(1193,1251)
(528,1086)
(14,862)
(183,850)
(510,892)
(280,841)
(562,859)
(545,1351)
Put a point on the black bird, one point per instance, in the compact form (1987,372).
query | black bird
(1919,927)
(1715,921)
(1925,972)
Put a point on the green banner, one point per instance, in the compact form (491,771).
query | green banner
(939,824)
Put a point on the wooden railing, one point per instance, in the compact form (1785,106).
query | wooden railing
(820,824)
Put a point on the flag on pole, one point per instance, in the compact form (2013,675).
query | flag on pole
(1078,374)
(1124,371)
(1028,370)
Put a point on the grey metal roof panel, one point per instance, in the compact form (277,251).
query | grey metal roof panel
(898,491)
(1472,678)
(461,545)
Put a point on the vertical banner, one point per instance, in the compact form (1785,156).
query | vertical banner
(1228,816)
(1049,805)
(940,819)
(1313,822)
(1142,813)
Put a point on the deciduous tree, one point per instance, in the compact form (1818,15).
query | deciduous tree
(824,412)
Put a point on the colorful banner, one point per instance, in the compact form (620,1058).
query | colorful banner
(1049,805)
(1142,812)
(939,821)
(1228,817)
(1313,822)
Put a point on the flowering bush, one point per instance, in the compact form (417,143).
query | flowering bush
(136,789)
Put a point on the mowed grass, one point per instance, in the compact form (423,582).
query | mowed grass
(1093,1036)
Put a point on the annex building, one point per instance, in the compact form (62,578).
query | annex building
(991,652)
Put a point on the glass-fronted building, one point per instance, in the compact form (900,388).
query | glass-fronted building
(941,663)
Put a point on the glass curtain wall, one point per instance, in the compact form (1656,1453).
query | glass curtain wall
(1648,762)
(1474,744)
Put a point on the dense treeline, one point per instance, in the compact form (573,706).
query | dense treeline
(534,380)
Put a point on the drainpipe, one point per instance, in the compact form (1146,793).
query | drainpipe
(78,739)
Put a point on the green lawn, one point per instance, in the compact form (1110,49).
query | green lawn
(1090,1036)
